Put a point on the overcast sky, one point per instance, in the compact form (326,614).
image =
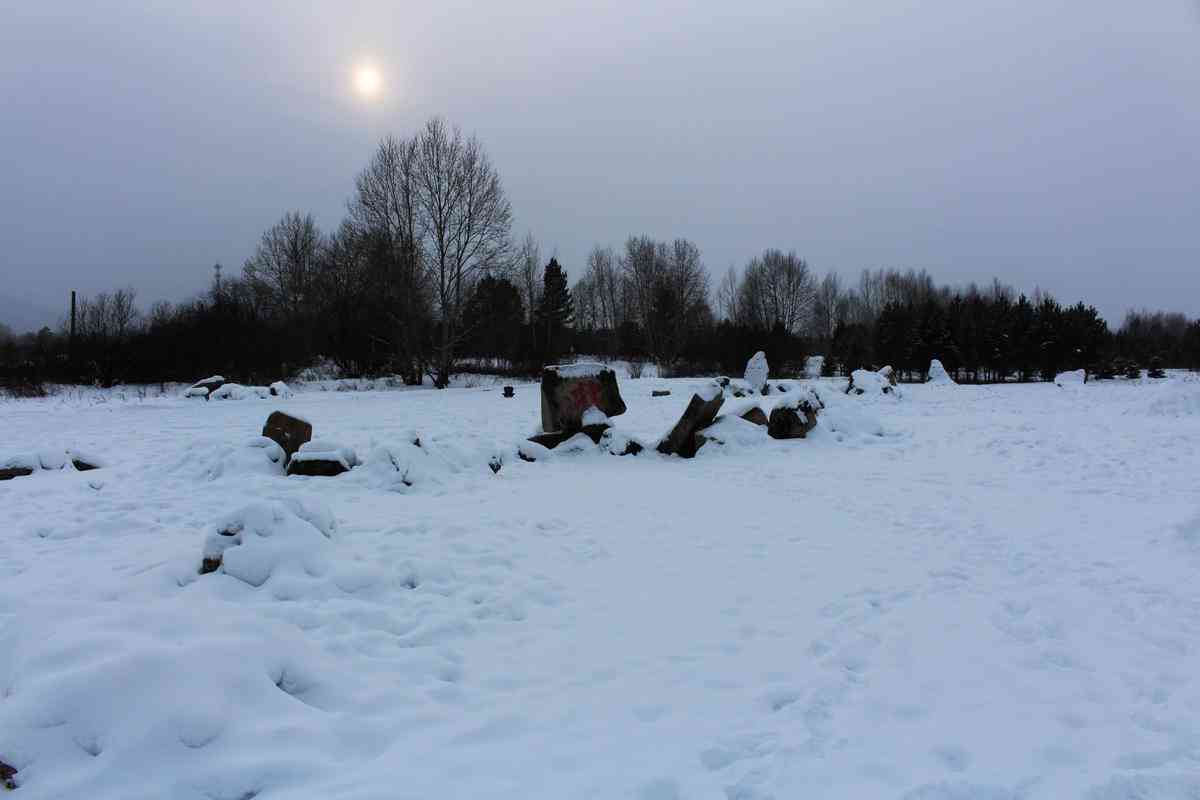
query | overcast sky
(1052,143)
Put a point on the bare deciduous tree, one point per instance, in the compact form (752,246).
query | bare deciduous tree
(467,220)
(284,267)
(777,288)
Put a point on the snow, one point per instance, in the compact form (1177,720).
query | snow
(196,391)
(594,416)
(1073,378)
(326,450)
(938,376)
(813,366)
(865,383)
(582,369)
(757,371)
(280,389)
(986,592)
(235,391)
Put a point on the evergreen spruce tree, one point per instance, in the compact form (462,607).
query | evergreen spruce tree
(555,312)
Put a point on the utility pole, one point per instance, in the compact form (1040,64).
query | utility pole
(71,341)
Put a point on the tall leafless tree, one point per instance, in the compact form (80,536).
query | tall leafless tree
(467,220)
(387,225)
(284,267)
(777,288)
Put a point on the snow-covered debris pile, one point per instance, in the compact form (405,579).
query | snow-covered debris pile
(25,464)
(399,467)
(938,376)
(211,459)
(871,384)
(570,390)
(757,371)
(263,540)
(235,391)
(280,389)
(890,374)
(203,388)
(321,457)
(1076,377)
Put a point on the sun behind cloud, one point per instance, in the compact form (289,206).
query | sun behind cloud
(368,81)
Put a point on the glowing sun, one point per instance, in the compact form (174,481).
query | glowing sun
(368,81)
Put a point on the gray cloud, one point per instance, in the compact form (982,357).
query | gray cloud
(1049,143)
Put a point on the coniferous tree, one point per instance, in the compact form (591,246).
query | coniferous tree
(555,312)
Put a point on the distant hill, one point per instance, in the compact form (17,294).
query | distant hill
(23,316)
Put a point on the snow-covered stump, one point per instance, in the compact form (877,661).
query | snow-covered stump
(287,431)
(569,390)
(700,412)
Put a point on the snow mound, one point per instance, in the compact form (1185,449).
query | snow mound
(1075,377)
(1176,399)
(757,371)
(594,416)
(265,540)
(938,376)
(196,391)
(731,434)
(813,366)
(865,383)
(620,443)
(401,467)
(210,460)
(236,391)
(848,420)
(280,389)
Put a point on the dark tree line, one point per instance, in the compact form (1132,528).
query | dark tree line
(422,278)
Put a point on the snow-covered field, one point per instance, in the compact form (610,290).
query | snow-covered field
(963,592)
